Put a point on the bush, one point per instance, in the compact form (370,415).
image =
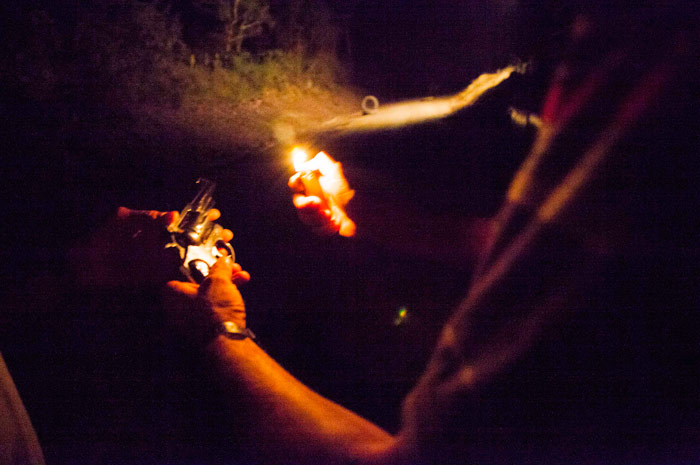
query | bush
(129,52)
(249,76)
(125,52)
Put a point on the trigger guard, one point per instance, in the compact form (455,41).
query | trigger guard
(220,244)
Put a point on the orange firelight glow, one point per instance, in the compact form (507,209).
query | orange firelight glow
(299,157)
(320,162)
(322,177)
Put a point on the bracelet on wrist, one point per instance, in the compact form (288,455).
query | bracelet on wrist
(233,331)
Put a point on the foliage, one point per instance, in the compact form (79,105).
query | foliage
(306,26)
(251,76)
(126,52)
(234,21)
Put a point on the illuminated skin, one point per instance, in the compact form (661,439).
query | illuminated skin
(321,193)
(451,240)
(448,239)
(129,250)
(290,422)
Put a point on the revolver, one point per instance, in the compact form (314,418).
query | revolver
(197,238)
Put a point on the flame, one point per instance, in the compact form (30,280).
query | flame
(320,162)
(299,158)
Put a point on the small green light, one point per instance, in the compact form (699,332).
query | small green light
(400,317)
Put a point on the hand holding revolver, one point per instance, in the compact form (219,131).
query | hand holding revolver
(130,249)
(201,312)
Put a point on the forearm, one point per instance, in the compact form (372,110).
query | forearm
(289,420)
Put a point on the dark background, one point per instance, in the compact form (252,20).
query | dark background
(101,376)
(104,380)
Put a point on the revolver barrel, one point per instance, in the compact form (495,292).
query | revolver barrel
(193,226)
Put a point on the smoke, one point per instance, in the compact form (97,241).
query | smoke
(422,110)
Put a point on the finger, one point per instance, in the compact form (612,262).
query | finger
(145,218)
(315,213)
(306,201)
(214,214)
(342,224)
(240,278)
(295,183)
(223,268)
(168,218)
(124,213)
(186,289)
(347,227)
(226,235)
(229,270)
(140,224)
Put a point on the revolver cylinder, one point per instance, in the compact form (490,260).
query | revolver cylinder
(197,238)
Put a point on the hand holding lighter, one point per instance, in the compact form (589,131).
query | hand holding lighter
(312,187)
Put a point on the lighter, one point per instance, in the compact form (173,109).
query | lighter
(309,176)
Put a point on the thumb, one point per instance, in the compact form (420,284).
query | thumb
(167,218)
(222,269)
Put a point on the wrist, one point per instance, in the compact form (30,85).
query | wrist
(207,331)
